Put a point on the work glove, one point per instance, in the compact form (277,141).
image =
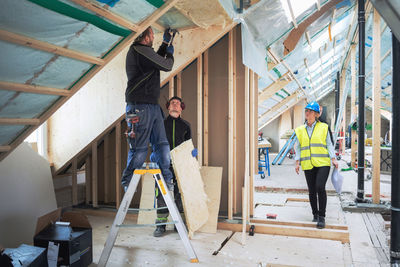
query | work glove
(167,36)
(170,49)
(195,152)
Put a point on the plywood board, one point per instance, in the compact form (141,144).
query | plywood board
(212,177)
(191,186)
(147,200)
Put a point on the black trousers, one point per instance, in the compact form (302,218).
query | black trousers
(316,181)
(162,214)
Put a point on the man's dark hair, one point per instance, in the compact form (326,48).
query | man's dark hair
(143,35)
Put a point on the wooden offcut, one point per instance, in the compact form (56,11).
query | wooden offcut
(147,200)
(330,234)
(191,186)
(212,177)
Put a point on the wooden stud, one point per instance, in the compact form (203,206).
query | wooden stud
(245,202)
(205,108)
(31,88)
(342,81)
(235,187)
(118,137)
(47,47)
(88,179)
(244,214)
(376,115)
(19,121)
(254,144)
(252,125)
(126,42)
(200,109)
(74,182)
(179,84)
(106,161)
(353,105)
(230,126)
(94,175)
(171,88)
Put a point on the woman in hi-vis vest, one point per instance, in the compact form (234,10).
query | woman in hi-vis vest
(315,152)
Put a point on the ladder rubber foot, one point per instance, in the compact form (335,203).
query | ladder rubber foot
(194,260)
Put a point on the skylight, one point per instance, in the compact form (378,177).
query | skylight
(298,7)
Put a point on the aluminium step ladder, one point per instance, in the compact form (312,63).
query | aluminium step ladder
(123,209)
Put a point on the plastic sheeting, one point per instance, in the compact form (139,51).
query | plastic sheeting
(266,25)
(9,133)
(24,105)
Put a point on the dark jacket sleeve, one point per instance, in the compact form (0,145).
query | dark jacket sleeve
(154,60)
(188,134)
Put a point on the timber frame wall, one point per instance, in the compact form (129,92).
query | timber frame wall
(213,89)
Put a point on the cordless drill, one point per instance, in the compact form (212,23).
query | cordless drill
(131,118)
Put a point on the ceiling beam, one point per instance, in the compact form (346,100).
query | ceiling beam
(272,89)
(102,11)
(277,115)
(278,60)
(19,121)
(47,47)
(309,73)
(279,105)
(35,89)
(292,14)
(84,79)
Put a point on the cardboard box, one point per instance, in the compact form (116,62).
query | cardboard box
(24,255)
(75,240)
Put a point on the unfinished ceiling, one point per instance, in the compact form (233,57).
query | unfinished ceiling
(51,48)
(300,55)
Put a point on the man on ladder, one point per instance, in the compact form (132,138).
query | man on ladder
(144,116)
(146,124)
(177,131)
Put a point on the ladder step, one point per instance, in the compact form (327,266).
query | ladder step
(148,209)
(144,225)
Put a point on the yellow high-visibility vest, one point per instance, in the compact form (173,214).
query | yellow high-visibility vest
(313,151)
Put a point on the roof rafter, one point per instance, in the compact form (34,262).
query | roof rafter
(47,47)
(279,106)
(19,121)
(35,89)
(104,12)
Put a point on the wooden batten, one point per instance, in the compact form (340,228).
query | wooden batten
(376,114)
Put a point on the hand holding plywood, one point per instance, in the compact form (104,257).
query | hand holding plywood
(191,186)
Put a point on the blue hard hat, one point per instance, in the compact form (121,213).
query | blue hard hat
(314,106)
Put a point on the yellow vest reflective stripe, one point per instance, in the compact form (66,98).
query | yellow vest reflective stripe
(313,151)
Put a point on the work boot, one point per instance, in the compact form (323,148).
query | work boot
(321,222)
(315,218)
(160,230)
